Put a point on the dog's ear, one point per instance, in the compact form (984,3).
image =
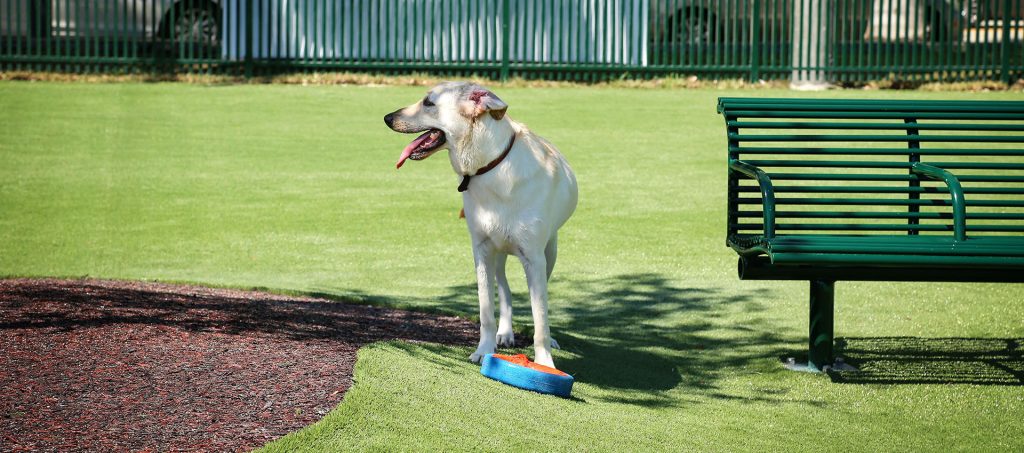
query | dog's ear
(481,101)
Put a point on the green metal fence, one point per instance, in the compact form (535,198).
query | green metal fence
(800,40)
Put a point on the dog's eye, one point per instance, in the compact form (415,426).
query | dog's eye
(427,103)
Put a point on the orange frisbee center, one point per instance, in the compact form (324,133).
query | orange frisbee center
(520,359)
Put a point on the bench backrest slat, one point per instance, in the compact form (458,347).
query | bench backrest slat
(872,167)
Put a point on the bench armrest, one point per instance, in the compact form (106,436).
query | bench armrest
(767,192)
(956,192)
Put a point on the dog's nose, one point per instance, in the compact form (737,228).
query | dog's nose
(389,119)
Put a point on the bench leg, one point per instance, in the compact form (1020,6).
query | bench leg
(822,307)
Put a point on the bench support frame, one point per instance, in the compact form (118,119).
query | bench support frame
(821,336)
(819,350)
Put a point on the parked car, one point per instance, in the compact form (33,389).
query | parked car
(679,23)
(192,21)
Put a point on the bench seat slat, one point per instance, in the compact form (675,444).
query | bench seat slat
(726,102)
(926,248)
(897,260)
(876,151)
(978,165)
(882,202)
(886,189)
(881,215)
(850,227)
(881,177)
(726,105)
(876,126)
(889,238)
(826,164)
(878,138)
(876,164)
(894,115)
(883,244)
(908,108)
(976,228)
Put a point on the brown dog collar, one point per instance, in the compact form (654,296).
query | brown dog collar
(486,168)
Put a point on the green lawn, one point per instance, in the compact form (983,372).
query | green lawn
(294,189)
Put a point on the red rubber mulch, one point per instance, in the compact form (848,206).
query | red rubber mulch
(103,366)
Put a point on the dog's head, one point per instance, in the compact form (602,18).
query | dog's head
(448,113)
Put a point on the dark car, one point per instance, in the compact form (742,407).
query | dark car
(181,21)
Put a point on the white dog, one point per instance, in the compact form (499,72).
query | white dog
(517,191)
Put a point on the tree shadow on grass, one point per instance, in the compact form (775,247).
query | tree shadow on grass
(66,305)
(913,360)
(646,335)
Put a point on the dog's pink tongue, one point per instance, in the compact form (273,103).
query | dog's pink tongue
(410,148)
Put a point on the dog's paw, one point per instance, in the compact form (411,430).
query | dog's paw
(506,339)
(481,351)
(545,360)
(554,344)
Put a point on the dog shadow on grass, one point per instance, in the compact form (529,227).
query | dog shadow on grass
(650,341)
(913,360)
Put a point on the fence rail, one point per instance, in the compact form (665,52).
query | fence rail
(800,40)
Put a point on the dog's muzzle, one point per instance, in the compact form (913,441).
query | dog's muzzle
(429,142)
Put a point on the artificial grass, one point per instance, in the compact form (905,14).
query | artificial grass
(293,188)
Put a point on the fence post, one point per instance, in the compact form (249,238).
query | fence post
(755,44)
(810,44)
(248,39)
(506,12)
(1005,51)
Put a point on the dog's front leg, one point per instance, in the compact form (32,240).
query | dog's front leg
(485,258)
(535,266)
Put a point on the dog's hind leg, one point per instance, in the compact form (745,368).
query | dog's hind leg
(551,254)
(505,335)
(485,259)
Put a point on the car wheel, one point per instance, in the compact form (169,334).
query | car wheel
(196,24)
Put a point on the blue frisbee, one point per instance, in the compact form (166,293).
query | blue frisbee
(519,371)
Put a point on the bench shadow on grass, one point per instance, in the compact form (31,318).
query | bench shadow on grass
(650,341)
(913,360)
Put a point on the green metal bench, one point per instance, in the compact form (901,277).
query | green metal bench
(826,190)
